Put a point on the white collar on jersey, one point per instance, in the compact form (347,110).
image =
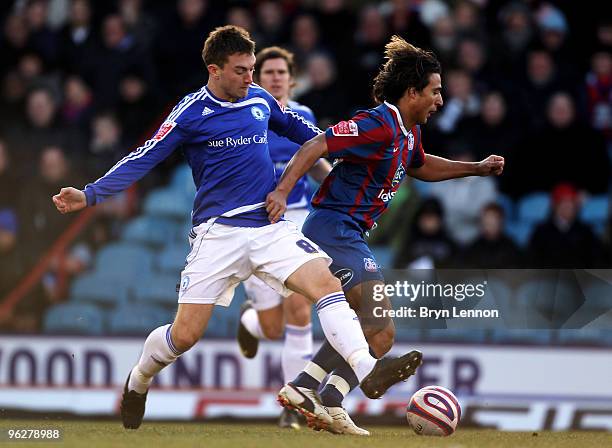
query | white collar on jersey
(240,103)
(398,115)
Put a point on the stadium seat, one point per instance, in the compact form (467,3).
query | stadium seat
(124,260)
(406,334)
(182,232)
(101,289)
(520,232)
(182,181)
(595,210)
(171,259)
(421,187)
(168,203)
(383,256)
(149,230)
(159,289)
(138,320)
(74,319)
(547,303)
(534,208)
(507,204)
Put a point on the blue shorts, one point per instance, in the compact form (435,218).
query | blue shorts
(343,240)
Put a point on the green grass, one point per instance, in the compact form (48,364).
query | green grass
(95,434)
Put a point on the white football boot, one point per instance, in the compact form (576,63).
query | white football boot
(343,424)
(306,402)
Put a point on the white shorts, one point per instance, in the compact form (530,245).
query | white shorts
(261,295)
(222,256)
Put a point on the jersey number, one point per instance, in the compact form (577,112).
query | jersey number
(306,246)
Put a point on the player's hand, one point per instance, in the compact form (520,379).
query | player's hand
(491,165)
(69,200)
(276,204)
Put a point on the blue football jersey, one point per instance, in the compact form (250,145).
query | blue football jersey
(282,150)
(226,146)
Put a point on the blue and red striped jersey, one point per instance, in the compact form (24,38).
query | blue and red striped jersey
(372,152)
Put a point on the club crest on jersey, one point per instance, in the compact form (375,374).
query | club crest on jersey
(164,130)
(410,141)
(257,113)
(346,129)
(370,265)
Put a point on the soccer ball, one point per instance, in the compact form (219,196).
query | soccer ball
(433,411)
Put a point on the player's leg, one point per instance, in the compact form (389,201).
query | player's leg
(297,349)
(161,348)
(213,267)
(261,316)
(379,333)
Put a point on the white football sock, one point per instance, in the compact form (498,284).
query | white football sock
(297,350)
(250,320)
(157,353)
(343,331)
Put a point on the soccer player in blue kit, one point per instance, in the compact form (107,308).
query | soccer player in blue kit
(222,130)
(373,153)
(266,315)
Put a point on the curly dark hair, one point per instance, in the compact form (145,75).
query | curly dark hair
(406,67)
(224,41)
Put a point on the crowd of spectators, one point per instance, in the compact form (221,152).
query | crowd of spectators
(83,82)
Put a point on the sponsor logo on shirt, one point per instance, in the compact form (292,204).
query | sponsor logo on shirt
(370,265)
(345,275)
(345,129)
(257,113)
(233,142)
(164,130)
(386,194)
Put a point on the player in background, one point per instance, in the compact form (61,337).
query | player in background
(373,153)
(222,130)
(266,315)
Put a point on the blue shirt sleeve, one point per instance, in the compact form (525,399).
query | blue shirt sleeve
(170,135)
(289,124)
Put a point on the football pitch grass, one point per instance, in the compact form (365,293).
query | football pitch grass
(94,434)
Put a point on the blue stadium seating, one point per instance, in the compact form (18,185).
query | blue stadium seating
(520,231)
(595,210)
(136,320)
(383,256)
(149,230)
(547,303)
(125,260)
(74,319)
(171,259)
(421,187)
(98,288)
(182,181)
(534,207)
(182,232)
(159,289)
(168,203)
(507,204)
(585,336)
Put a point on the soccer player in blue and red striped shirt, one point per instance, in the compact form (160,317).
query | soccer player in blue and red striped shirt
(373,152)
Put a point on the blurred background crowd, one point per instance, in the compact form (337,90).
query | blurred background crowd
(83,82)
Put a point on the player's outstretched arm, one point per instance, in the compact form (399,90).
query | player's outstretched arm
(69,199)
(320,170)
(438,168)
(298,166)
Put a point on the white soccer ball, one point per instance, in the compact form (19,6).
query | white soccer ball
(433,411)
